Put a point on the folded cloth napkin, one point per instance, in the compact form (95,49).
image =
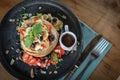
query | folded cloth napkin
(88,35)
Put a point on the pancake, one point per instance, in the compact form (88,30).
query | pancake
(38,50)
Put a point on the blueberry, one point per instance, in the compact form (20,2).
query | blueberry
(54,19)
(33,45)
(51,37)
(40,38)
(49,19)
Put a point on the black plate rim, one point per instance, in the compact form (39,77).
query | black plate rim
(6,65)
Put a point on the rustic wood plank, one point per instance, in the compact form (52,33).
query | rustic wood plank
(103,17)
(5,75)
(6,5)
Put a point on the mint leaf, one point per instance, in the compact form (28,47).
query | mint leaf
(39,15)
(28,41)
(54,57)
(37,29)
(30,33)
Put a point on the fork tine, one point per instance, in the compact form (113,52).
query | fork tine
(99,48)
(102,47)
(107,43)
(98,45)
(95,53)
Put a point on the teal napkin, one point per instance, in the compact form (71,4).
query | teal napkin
(88,35)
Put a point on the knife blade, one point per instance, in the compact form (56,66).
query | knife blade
(85,53)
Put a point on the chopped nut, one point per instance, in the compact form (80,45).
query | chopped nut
(20,58)
(50,72)
(32,73)
(7,52)
(12,62)
(55,72)
(43,72)
(12,48)
(64,17)
(72,51)
(39,7)
(12,20)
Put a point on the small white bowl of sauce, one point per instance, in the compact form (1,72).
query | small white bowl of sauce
(67,39)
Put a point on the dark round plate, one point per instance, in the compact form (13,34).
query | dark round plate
(9,38)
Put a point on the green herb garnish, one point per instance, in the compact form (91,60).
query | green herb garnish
(78,43)
(37,29)
(60,60)
(54,57)
(39,15)
(62,16)
(28,41)
(30,33)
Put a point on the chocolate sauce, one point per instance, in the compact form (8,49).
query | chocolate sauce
(68,40)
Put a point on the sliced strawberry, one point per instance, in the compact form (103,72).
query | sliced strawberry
(53,62)
(49,26)
(35,19)
(43,45)
(32,61)
(25,56)
(31,57)
(43,65)
(59,55)
(22,32)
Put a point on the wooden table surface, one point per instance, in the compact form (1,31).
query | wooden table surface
(101,17)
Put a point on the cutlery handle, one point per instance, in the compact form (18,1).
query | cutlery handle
(83,71)
(70,74)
